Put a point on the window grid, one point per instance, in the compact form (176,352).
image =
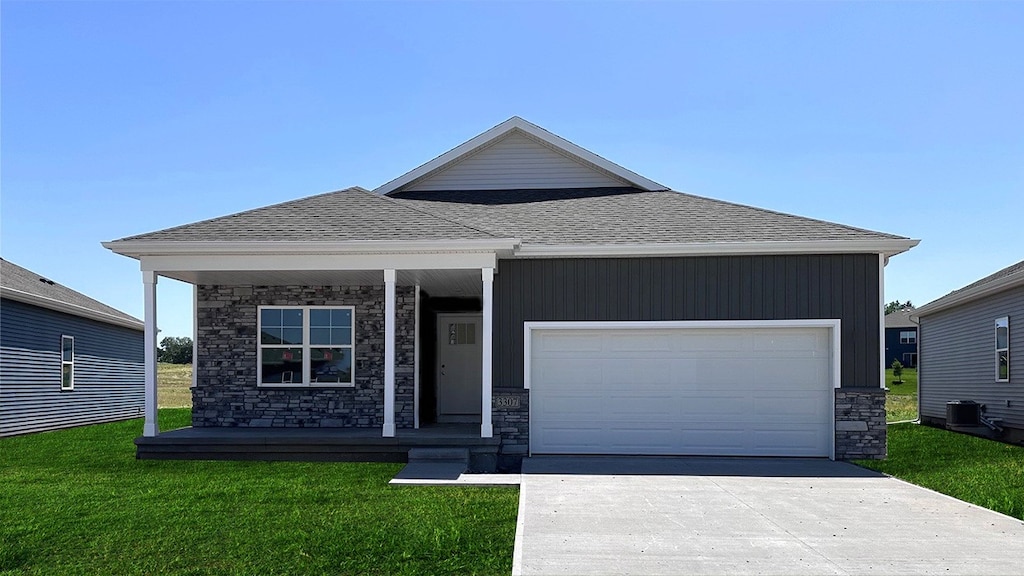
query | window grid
(304,348)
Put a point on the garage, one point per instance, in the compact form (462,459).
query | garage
(729,388)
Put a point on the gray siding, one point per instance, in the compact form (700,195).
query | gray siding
(109,381)
(703,288)
(957,358)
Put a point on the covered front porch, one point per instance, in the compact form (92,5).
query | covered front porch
(356,396)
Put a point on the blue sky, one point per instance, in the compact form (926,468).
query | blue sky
(120,118)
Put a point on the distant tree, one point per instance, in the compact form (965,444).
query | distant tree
(175,350)
(897,372)
(897,305)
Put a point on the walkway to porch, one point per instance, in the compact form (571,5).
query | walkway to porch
(316,444)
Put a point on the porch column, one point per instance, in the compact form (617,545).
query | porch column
(487,329)
(389,353)
(150,427)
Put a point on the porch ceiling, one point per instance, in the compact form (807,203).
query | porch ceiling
(458,283)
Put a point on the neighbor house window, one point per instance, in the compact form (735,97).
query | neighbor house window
(306,345)
(67,362)
(908,337)
(1003,349)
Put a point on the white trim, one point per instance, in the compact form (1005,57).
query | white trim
(965,296)
(306,346)
(997,349)
(881,321)
(834,325)
(195,335)
(284,263)
(150,426)
(416,360)
(887,246)
(68,308)
(500,131)
(487,328)
(138,248)
(64,362)
(389,354)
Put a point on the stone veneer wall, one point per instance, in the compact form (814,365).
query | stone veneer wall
(860,423)
(512,425)
(226,393)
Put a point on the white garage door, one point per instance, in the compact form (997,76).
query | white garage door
(700,391)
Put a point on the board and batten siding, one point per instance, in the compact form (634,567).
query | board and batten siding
(514,162)
(692,288)
(956,359)
(108,371)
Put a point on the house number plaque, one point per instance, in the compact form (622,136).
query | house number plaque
(506,401)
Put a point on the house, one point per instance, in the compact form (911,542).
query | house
(545,298)
(65,359)
(972,349)
(900,338)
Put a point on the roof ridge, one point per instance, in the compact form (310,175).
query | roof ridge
(778,213)
(405,205)
(249,211)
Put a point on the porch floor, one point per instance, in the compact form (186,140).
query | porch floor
(313,444)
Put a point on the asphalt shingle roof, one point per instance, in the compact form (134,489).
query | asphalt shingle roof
(900,319)
(14,277)
(345,215)
(626,216)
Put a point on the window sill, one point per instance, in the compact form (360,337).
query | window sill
(306,386)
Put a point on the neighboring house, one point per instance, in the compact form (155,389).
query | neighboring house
(972,348)
(900,338)
(559,302)
(65,359)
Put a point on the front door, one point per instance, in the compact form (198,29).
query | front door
(459,367)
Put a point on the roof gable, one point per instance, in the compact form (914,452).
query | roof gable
(516,155)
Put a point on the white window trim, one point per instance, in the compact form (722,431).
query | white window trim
(64,362)
(305,348)
(912,339)
(995,337)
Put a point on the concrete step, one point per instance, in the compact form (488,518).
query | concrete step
(440,455)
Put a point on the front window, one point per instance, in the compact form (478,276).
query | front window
(306,346)
(908,337)
(67,362)
(1003,349)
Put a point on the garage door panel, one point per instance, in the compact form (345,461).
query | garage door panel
(682,391)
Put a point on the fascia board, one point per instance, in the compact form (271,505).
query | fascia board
(73,309)
(949,301)
(889,247)
(176,248)
(517,123)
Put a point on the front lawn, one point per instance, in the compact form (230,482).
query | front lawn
(981,471)
(77,502)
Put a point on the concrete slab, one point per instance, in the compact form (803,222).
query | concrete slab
(448,474)
(593,515)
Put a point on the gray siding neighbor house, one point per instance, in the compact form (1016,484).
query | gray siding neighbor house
(65,359)
(533,296)
(972,348)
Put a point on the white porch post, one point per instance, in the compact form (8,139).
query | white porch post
(150,427)
(389,353)
(487,328)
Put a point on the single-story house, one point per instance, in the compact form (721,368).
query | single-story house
(65,359)
(970,351)
(900,338)
(547,298)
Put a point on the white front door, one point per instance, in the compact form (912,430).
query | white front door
(459,367)
(762,391)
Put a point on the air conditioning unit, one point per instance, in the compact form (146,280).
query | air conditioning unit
(963,413)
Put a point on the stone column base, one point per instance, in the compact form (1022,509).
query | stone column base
(860,423)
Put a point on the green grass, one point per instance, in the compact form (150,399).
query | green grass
(901,399)
(174,383)
(981,471)
(77,502)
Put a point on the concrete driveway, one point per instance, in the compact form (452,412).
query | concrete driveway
(595,515)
